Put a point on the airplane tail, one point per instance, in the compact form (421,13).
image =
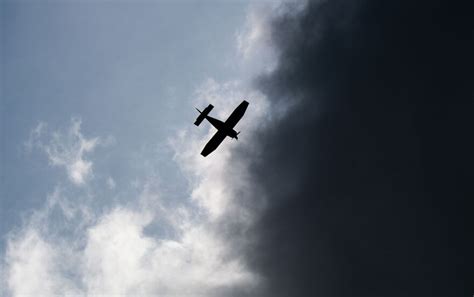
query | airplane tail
(203,114)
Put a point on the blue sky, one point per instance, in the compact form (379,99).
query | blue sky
(97,110)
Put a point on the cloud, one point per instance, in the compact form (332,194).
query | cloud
(254,39)
(145,246)
(35,134)
(30,261)
(367,172)
(111,253)
(34,267)
(66,150)
(111,183)
(120,259)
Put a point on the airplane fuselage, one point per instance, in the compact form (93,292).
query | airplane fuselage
(221,126)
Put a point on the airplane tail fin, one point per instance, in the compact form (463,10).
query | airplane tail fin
(203,114)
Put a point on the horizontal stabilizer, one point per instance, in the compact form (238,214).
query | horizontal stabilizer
(203,114)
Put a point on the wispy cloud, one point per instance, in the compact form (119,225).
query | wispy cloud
(253,40)
(66,149)
(111,183)
(254,36)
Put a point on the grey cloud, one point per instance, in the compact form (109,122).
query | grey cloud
(367,177)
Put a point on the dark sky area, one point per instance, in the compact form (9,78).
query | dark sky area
(368,177)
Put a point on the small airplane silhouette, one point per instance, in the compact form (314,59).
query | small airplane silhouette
(224,129)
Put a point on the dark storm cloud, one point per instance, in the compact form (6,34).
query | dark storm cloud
(369,175)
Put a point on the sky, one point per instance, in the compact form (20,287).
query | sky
(351,176)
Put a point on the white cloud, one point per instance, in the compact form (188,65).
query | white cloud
(115,256)
(30,262)
(34,267)
(120,259)
(66,150)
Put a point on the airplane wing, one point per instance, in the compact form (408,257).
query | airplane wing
(213,143)
(237,114)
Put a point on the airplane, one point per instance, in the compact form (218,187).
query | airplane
(224,129)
